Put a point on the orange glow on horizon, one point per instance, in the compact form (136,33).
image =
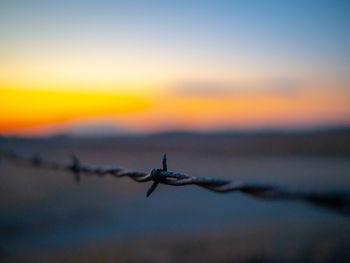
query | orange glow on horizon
(33,108)
(39,112)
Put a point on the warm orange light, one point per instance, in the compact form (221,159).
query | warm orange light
(25,111)
(30,108)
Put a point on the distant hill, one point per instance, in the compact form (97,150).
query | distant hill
(317,141)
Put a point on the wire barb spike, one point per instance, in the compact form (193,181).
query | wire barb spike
(75,167)
(155,176)
(165,166)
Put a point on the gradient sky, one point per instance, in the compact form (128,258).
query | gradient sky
(94,67)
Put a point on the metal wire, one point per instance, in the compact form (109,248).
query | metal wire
(335,201)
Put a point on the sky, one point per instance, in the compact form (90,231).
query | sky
(111,67)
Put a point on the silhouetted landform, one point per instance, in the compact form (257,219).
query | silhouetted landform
(274,142)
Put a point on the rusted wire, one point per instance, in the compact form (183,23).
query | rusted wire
(335,201)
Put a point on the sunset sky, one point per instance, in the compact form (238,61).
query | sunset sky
(98,67)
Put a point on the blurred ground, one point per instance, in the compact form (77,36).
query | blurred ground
(46,217)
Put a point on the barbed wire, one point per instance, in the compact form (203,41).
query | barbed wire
(339,202)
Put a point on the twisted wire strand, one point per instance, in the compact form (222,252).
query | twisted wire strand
(339,202)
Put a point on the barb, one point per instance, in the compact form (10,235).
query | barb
(155,176)
(337,202)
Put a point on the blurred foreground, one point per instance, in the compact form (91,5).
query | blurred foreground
(46,217)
